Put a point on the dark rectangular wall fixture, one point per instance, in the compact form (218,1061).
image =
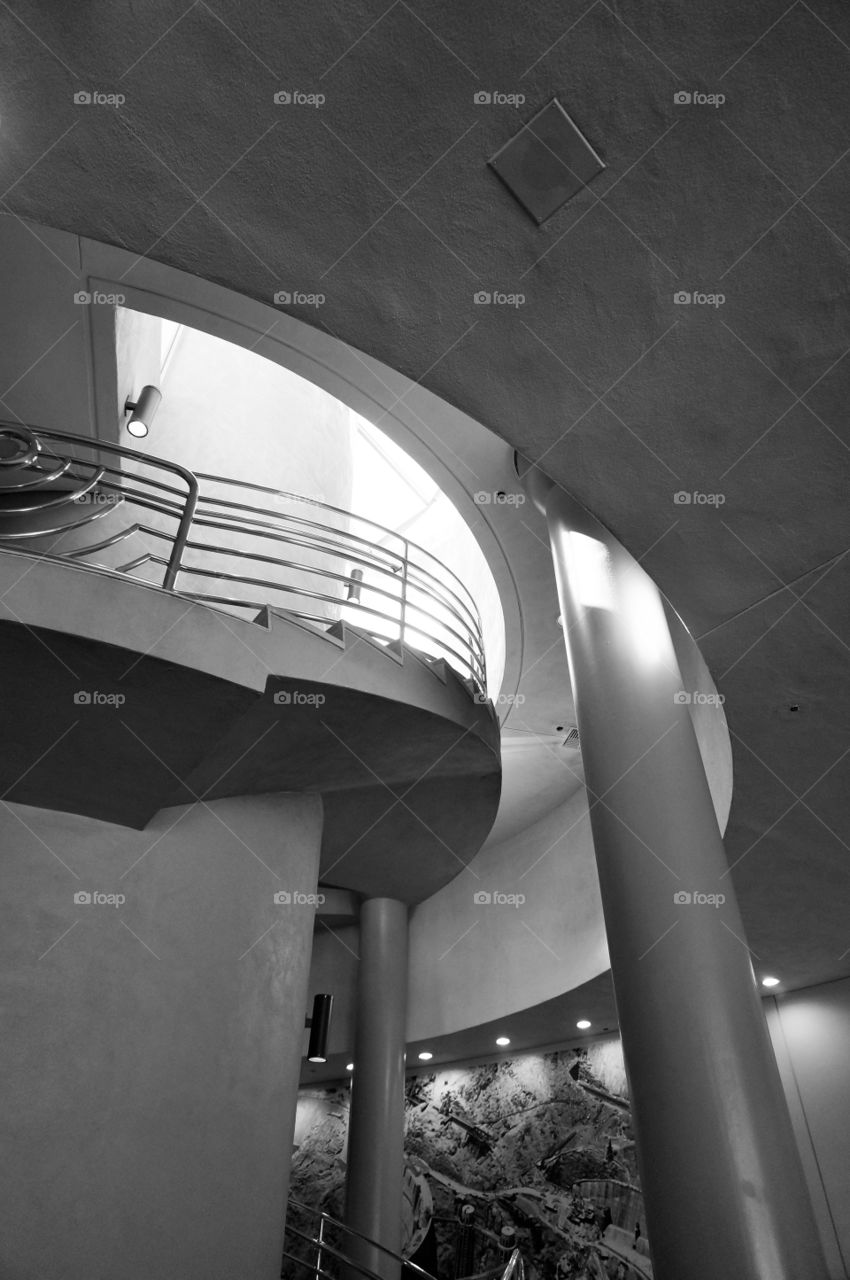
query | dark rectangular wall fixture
(319,1024)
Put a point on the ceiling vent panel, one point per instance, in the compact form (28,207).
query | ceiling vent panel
(547,163)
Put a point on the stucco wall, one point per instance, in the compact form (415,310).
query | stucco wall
(230,413)
(810,1030)
(472,962)
(152,1046)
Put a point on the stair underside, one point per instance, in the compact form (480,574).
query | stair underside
(406,760)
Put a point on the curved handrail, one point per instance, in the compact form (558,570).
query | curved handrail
(189,502)
(352,1231)
(332,565)
(514,1269)
(407,557)
(325,506)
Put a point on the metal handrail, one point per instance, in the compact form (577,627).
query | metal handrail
(514,1269)
(189,502)
(325,506)
(404,591)
(421,577)
(352,1231)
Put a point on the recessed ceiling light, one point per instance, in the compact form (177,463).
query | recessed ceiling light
(583,1024)
(502,1041)
(349,1066)
(770,982)
(425,1056)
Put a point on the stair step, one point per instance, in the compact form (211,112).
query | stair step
(330,633)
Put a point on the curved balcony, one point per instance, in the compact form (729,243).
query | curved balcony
(237,546)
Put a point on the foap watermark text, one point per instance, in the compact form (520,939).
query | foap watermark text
(683,898)
(84,898)
(297,698)
(486,898)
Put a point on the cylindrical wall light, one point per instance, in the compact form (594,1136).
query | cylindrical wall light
(320,1025)
(143,411)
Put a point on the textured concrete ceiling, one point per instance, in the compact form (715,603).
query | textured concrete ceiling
(381,200)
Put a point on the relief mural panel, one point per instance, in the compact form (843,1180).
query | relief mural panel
(534,1150)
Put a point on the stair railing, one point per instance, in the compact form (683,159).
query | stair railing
(514,1269)
(230,543)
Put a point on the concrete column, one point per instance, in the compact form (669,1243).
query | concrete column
(154,993)
(720,1170)
(376,1125)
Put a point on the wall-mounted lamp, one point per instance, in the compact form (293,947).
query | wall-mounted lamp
(320,1025)
(355,584)
(143,411)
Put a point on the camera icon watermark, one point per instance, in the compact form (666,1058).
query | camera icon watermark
(697,699)
(298,98)
(84,98)
(297,698)
(502,699)
(485,898)
(85,299)
(297,298)
(97,498)
(94,698)
(684,899)
(496,98)
(295,898)
(684,98)
(497,298)
(684,298)
(498,498)
(698,499)
(83,898)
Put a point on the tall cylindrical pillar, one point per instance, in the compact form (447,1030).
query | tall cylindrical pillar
(376,1125)
(720,1170)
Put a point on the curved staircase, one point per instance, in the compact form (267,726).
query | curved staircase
(141,696)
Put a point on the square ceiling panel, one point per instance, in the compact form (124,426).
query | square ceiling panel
(547,163)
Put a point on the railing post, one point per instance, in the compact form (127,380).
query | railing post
(179,544)
(404,588)
(320,1242)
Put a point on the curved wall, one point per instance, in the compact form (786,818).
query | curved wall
(152,1046)
(473,961)
(229,412)
(436,435)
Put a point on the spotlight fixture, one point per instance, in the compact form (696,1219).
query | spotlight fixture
(142,411)
(355,585)
(583,1024)
(320,1025)
(349,1066)
(502,1041)
(425,1056)
(770,982)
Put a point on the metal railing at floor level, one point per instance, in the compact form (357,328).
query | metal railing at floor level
(333,1262)
(232,544)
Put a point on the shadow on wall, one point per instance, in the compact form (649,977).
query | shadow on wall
(534,1150)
